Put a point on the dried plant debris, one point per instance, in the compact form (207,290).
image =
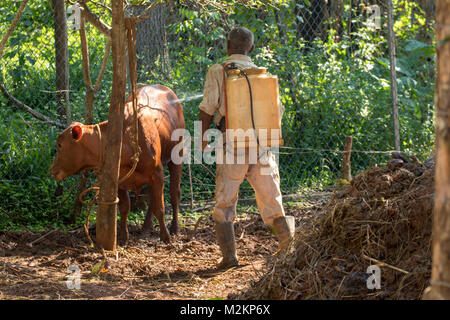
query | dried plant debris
(382,218)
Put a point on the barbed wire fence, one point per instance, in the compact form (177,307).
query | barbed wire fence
(179,39)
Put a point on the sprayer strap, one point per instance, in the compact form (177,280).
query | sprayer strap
(224,90)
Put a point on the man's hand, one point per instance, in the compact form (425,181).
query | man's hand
(205,120)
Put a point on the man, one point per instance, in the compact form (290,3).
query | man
(229,176)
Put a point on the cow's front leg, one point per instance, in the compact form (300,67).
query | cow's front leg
(124,209)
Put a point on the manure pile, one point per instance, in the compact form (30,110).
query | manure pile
(384,218)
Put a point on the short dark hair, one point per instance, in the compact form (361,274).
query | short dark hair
(240,40)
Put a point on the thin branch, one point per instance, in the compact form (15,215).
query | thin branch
(40,238)
(94,20)
(384,264)
(85,54)
(89,97)
(103,67)
(101,5)
(26,108)
(140,18)
(11,28)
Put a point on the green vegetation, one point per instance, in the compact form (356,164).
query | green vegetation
(332,86)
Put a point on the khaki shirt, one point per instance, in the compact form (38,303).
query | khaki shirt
(213,101)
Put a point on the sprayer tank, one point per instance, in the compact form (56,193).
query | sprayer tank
(266,110)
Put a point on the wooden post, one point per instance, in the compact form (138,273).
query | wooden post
(62,60)
(106,215)
(440,274)
(346,165)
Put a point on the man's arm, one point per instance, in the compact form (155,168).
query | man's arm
(205,120)
(210,103)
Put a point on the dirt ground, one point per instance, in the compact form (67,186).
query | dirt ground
(146,268)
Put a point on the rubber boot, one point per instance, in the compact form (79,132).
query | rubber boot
(227,244)
(284,228)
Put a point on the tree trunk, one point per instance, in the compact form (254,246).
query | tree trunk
(440,275)
(151,43)
(106,214)
(62,60)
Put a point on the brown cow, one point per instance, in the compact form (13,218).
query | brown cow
(80,147)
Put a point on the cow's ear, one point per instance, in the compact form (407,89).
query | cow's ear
(77,132)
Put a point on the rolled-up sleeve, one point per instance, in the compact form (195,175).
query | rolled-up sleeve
(211,93)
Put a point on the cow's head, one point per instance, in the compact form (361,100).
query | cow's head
(72,150)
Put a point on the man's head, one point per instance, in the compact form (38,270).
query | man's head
(240,41)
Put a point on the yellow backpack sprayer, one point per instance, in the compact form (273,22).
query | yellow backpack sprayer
(252,106)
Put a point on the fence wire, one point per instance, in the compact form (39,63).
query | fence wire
(331,57)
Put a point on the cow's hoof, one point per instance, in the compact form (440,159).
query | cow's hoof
(123,239)
(173,229)
(165,237)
